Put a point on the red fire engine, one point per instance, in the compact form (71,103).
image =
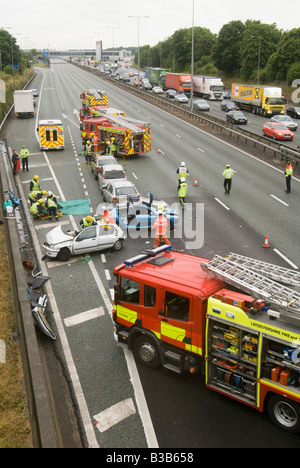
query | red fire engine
(131,136)
(180,311)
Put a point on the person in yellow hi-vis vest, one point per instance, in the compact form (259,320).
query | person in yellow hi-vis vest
(227,174)
(288,176)
(24,153)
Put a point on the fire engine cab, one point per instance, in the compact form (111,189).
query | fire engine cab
(232,318)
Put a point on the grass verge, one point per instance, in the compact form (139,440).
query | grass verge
(15,430)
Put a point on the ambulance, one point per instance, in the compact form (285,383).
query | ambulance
(51,134)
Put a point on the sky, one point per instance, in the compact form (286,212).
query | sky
(72,24)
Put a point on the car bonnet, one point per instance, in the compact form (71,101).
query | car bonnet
(56,236)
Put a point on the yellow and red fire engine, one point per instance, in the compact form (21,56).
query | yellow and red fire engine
(184,313)
(94,97)
(131,136)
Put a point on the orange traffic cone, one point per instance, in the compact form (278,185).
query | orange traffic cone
(196,182)
(266,243)
(159,150)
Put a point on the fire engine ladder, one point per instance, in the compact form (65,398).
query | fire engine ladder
(274,272)
(123,121)
(97,93)
(284,300)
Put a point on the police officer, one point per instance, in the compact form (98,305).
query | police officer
(182,171)
(160,225)
(227,174)
(24,153)
(86,222)
(288,176)
(37,208)
(182,191)
(34,184)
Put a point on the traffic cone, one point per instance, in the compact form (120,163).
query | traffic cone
(196,182)
(266,243)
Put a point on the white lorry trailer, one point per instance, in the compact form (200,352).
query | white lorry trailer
(24,103)
(208,87)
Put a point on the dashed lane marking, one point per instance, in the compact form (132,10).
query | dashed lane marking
(115,414)
(84,316)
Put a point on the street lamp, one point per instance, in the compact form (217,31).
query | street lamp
(258,60)
(138,18)
(192,62)
(113,36)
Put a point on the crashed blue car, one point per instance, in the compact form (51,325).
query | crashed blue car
(142,216)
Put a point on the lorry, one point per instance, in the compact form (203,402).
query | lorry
(51,134)
(208,87)
(180,82)
(24,103)
(263,100)
(233,319)
(131,136)
(157,76)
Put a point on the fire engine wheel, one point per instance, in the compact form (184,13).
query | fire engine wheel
(284,413)
(146,352)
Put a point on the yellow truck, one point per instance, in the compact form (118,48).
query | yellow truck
(262,100)
(51,134)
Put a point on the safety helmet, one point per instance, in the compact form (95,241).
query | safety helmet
(49,193)
(183,163)
(182,179)
(36,177)
(88,141)
(112,138)
(159,212)
(41,201)
(44,192)
(227,165)
(107,142)
(89,219)
(103,208)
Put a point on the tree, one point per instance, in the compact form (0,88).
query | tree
(258,40)
(226,50)
(286,54)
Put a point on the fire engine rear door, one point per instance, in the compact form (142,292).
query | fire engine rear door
(175,320)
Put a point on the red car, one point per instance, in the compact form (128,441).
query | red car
(277,131)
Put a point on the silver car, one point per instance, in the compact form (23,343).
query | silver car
(101,160)
(110,173)
(286,120)
(62,245)
(181,98)
(120,192)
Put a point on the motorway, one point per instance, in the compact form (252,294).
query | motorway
(118,404)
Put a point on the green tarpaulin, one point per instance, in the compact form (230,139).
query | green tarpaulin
(75,207)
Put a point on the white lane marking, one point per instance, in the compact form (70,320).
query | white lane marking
(115,414)
(286,259)
(223,204)
(84,316)
(199,149)
(278,199)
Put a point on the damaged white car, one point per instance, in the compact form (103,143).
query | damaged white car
(62,245)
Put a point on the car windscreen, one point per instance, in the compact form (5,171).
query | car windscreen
(280,127)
